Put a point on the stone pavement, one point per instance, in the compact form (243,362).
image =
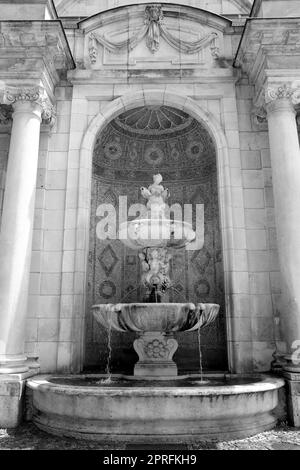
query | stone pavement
(28,437)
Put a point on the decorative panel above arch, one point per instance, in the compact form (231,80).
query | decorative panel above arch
(153,35)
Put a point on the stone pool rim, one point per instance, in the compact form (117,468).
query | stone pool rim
(261,383)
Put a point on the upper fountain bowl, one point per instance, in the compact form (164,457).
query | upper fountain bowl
(162,317)
(156,232)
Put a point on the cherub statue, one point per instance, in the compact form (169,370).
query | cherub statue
(155,267)
(156,195)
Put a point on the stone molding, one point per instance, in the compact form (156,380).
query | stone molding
(38,95)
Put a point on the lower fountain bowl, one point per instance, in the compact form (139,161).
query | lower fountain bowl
(161,317)
(183,410)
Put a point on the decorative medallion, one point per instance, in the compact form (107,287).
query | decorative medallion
(156,349)
(154,155)
(107,289)
(201,288)
(113,150)
(194,149)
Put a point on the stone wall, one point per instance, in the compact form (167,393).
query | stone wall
(261,244)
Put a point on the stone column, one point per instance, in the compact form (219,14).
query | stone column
(285,161)
(29,106)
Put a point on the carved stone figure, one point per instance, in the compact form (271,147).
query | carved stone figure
(155,263)
(156,195)
(154,16)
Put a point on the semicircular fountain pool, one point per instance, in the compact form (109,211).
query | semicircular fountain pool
(185,409)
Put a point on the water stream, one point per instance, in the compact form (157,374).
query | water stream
(200,354)
(108,379)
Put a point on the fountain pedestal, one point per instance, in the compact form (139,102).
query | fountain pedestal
(155,351)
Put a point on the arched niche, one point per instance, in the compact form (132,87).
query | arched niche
(128,150)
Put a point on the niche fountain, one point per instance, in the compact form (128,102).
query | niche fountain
(155,234)
(155,405)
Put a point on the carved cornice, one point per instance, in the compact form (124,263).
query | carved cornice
(13,95)
(34,48)
(269,51)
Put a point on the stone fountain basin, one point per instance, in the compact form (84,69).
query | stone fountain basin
(160,317)
(151,413)
(156,232)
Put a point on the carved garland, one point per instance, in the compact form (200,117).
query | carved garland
(153,29)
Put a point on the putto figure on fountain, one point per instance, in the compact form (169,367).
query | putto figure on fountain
(156,195)
(155,263)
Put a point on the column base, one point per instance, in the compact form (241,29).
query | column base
(290,364)
(12,391)
(155,352)
(293,398)
(13,364)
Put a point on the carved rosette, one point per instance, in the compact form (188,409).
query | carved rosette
(36,95)
(155,351)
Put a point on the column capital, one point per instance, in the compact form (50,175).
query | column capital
(15,95)
(283,92)
(276,97)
